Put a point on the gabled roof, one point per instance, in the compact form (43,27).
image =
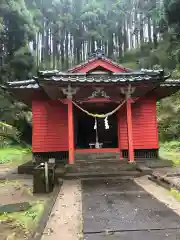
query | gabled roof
(96,71)
(99,61)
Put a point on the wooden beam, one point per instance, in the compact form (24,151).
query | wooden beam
(70,132)
(130,131)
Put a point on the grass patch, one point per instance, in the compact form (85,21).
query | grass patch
(14,156)
(27,219)
(175,193)
(170,151)
(171,146)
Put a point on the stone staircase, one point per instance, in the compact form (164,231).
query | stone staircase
(92,165)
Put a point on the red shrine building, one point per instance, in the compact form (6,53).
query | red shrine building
(96,107)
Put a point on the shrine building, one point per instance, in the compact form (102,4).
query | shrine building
(98,107)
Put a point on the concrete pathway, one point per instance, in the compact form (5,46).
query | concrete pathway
(123,209)
(114,209)
(65,221)
(159,193)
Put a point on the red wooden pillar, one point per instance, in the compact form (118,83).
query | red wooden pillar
(70,132)
(119,144)
(130,132)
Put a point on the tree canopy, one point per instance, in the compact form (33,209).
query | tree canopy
(43,34)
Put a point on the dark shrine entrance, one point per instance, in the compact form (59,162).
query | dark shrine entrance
(84,127)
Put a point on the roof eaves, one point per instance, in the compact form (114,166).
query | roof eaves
(171,83)
(104,79)
(20,82)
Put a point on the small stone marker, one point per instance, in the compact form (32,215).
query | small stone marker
(16,207)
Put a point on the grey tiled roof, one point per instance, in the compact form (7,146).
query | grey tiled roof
(34,85)
(95,77)
(119,77)
(30,84)
(99,79)
(134,73)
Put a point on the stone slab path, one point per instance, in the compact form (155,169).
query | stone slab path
(170,175)
(65,221)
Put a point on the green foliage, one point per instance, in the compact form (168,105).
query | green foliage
(18,30)
(27,219)
(175,193)
(131,65)
(172,8)
(170,150)
(23,64)
(167,55)
(171,146)
(14,156)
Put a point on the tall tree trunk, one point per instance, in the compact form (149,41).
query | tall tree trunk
(149,30)
(110,45)
(141,29)
(83,51)
(62,52)
(37,49)
(67,50)
(58,54)
(120,37)
(126,45)
(71,50)
(99,44)
(54,51)
(136,20)
(92,45)
(155,41)
(106,47)
(78,52)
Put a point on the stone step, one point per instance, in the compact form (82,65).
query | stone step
(97,156)
(155,163)
(143,168)
(101,162)
(95,167)
(102,174)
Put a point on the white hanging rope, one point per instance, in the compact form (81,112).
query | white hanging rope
(95,124)
(106,123)
(97,137)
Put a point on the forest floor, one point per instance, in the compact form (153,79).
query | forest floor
(19,224)
(16,224)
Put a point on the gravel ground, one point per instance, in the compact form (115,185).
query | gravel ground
(159,193)
(65,221)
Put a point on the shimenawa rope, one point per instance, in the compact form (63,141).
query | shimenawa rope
(100,115)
